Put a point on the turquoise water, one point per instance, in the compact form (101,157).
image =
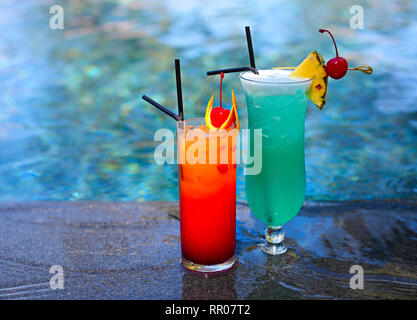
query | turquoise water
(72,125)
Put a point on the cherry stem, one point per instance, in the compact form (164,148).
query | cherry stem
(221,83)
(324,30)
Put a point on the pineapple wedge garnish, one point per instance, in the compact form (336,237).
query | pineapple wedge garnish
(314,67)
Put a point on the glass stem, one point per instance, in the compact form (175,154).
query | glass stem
(274,241)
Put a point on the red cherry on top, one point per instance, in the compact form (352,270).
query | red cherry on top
(218,116)
(338,66)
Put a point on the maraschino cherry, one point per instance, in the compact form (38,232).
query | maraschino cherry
(338,66)
(219,114)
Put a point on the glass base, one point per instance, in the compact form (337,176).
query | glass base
(213,269)
(274,241)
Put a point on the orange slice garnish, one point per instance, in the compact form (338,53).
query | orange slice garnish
(233,116)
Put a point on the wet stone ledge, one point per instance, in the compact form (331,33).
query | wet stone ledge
(128,250)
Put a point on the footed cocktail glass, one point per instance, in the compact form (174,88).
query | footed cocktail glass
(276,104)
(207,189)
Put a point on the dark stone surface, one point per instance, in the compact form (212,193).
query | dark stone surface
(126,250)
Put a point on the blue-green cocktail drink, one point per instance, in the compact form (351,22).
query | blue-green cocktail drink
(276,104)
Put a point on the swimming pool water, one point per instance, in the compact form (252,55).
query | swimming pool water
(72,126)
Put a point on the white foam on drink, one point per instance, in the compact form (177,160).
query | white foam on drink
(273,82)
(272,76)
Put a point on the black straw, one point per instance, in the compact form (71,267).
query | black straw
(179,90)
(240,69)
(160,107)
(230,70)
(250,47)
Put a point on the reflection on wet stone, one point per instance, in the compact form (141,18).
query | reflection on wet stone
(272,284)
(131,250)
(330,239)
(209,288)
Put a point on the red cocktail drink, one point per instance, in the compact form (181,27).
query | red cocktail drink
(207,188)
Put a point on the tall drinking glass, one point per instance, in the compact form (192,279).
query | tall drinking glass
(207,188)
(276,104)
